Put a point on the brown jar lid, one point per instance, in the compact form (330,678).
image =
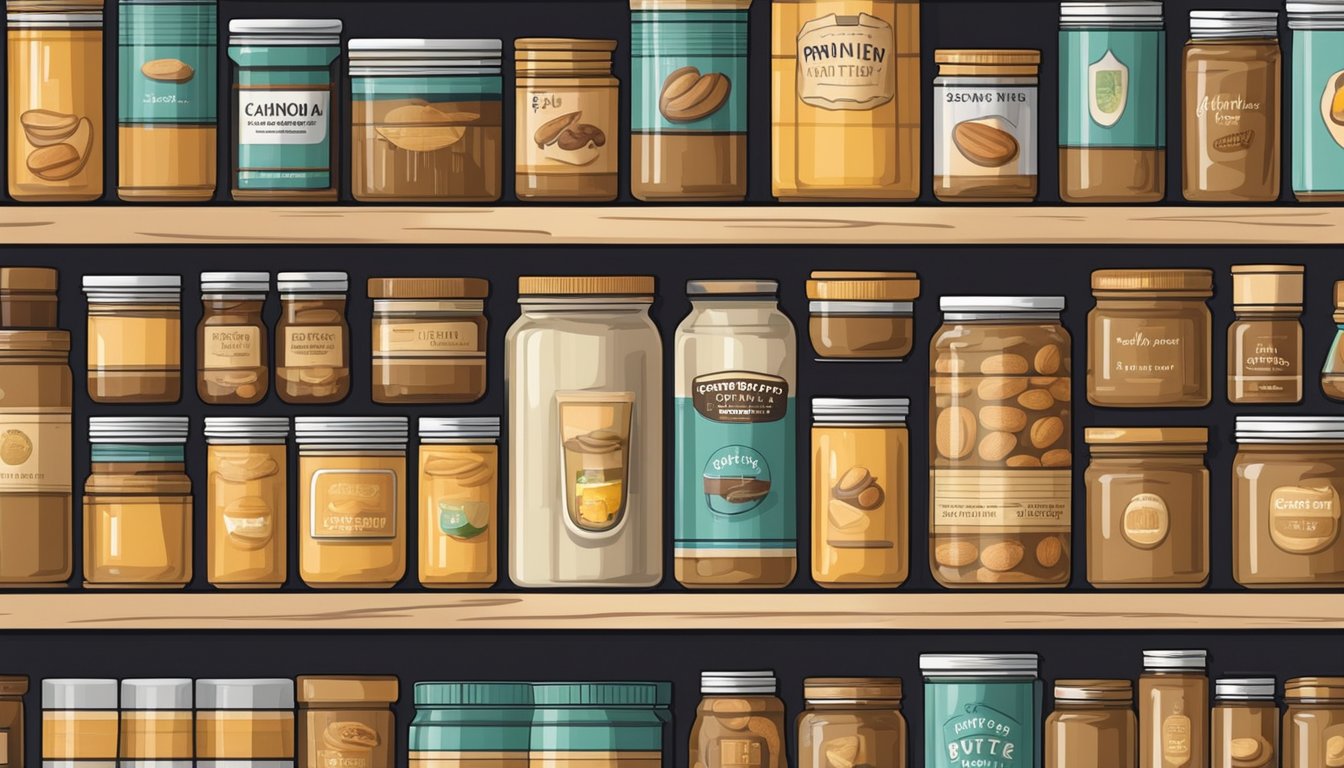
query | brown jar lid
(566,44)
(990,62)
(13,685)
(1146,435)
(428,288)
(852,688)
(1314,688)
(602,285)
(863,286)
(1267,285)
(28,279)
(1094,690)
(321,689)
(35,341)
(1193,282)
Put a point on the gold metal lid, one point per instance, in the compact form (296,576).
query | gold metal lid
(13,685)
(28,279)
(852,688)
(1188,281)
(1146,435)
(1267,285)
(590,285)
(321,689)
(1314,688)
(863,286)
(1094,690)
(565,44)
(987,62)
(428,288)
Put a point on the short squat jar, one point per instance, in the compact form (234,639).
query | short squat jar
(739,722)
(1245,723)
(854,721)
(1264,343)
(312,339)
(459,502)
(1093,725)
(862,316)
(247,495)
(985,125)
(1313,726)
(429,339)
(135,338)
(1316,100)
(981,707)
(232,349)
(157,729)
(618,725)
(347,721)
(477,723)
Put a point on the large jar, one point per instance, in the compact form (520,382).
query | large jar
(739,722)
(459,502)
(134,338)
(55,100)
(1112,102)
(736,443)
(471,723)
(233,362)
(1288,477)
(1093,725)
(429,339)
(1316,85)
(846,100)
(615,725)
(1313,726)
(1001,443)
(347,721)
(247,495)
(584,370)
(1174,709)
(312,338)
(1245,723)
(985,125)
(981,709)
(1264,344)
(852,721)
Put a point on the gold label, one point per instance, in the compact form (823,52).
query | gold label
(743,753)
(1176,741)
(227,347)
(314,346)
(846,62)
(1146,520)
(353,504)
(35,453)
(439,339)
(1303,519)
(4,746)
(570,130)
(1031,499)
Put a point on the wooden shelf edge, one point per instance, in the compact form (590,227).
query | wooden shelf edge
(671,611)
(30,225)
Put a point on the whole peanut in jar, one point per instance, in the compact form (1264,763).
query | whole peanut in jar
(1000,443)
(232,344)
(459,502)
(347,722)
(247,497)
(312,339)
(739,722)
(1245,723)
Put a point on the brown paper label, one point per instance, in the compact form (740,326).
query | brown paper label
(567,130)
(740,397)
(35,452)
(1017,500)
(229,347)
(846,62)
(438,339)
(1304,519)
(354,504)
(314,346)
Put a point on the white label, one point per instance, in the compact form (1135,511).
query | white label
(283,117)
(985,130)
(846,62)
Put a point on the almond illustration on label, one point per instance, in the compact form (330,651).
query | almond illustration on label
(1003,556)
(63,160)
(43,128)
(247,468)
(168,70)
(984,144)
(346,734)
(423,128)
(689,96)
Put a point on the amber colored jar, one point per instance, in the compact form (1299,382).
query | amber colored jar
(863,316)
(28,297)
(12,690)
(1264,344)
(232,348)
(459,502)
(1313,725)
(157,723)
(1150,338)
(1245,723)
(1147,507)
(80,722)
(429,339)
(134,338)
(247,495)
(347,722)
(851,720)
(312,339)
(1174,709)
(1093,725)
(739,722)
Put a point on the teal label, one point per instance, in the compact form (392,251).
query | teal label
(982,724)
(167,63)
(689,70)
(1112,88)
(284,109)
(433,90)
(1318,111)
(982,737)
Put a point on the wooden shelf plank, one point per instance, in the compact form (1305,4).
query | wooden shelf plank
(28,225)
(671,611)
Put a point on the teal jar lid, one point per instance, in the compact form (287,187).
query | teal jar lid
(473,694)
(467,716)
(602,694)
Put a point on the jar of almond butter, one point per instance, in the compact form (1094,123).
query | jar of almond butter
(347,722)
(459,502)
(985,125)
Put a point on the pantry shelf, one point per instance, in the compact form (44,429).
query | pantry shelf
(721,612)
(666,225)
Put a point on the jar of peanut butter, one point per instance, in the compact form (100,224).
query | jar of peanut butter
(1245,723)
(134,338)
(247,494)
(242,723)
(739,722)
(157,724)
(1264,344)
(1313,726)
(347,721)
(1092,726)
(232,346)
(312,339)
(1174,709)
(80,723)
(459,502)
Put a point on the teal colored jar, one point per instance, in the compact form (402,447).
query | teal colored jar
(285,105)
(575,725)
(688,118)
(471,723)
(1317,100)
(981,710)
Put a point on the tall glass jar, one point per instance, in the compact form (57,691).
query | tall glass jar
(1245,723)
(232,349)
(1001,441)
(1313,726)
(1093,725)
(1264,344)
(312,339)
(1316,85)
(739,722)
(985,125)
(584,369)
(134,338)
(1174,709)
(459,502)
(12,690)
(736,443)
(981,709)
(852,721)
(55,100)
(247,495)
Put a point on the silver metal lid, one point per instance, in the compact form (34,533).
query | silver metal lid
(245,693)
(1234,25)
(423,48)
(1289,429)
(285,32)
(1318,14)
(161,430)
(373,432)
(79,693)
(971,305)
(1124,14)
(1189,659)
(1014,664)
(133,288)
(761,682)
(235,282)
(82,19)
(242,429)
(1245,687)
(850,410)
(460,428)
(313,282)
(373,57)
(156,693)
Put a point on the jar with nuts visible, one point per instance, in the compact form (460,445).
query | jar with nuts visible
(852,721)
(247,494)
(865,316)
(134,338)
(1245,723)
(1093,725)
(981,705)
(347,721)
(1174,709)
(232,348)
(1001,426)
(81,725)
(1313,725)
(1317,100)
(739,722)
(984,125)
(429,339)
(1264,345)
(459,502)
(618,725)
(312,339)
(245,723)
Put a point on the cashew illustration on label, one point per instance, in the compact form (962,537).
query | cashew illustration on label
(567,139)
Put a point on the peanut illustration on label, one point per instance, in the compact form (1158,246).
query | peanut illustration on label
(168,71)
(63,143)
(689,96)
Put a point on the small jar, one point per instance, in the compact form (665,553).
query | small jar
(852,721)
(1147,507)
(232,348)
(286,106)
(1150,338)
(347,721)
(1093,725)
(1288,477)
(459,502)
(1245,723)
(860,492)
(739,722)
(984,125)
(1230,107)
(1313,726)
(156,724)
(12,690)
(864,316)
(981,709)
(688,106)
(1264,344)
(1317,101)
(137,504)
(617,725)
(312,339)
(568,112)
(481,724)
(1332,373)
(135,338)
(426,120)
(28,297)
(245,723)
(80,723)
(352,500)
(1112,102)
(429,339)
(55,100)
(1174,709)
(247,495)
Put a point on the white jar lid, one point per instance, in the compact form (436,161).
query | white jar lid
(245,693)
(1185,659)
(1245,687)
(133,288)
(313,282)
(850,410)
(163,430)
(1287,429)
(156,693)
(460,428)
(761,682)
(79,693)
(1234,25)
(979,663)
(285,31)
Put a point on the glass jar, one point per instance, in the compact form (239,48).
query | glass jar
(584,368)
(28,297)
(135,338)
(1230,107)
(1264,344)
(429,339)
(846,93)
(984,127)
(352,500)
(866,316)
(1317,102)
(739,722)
(1332,373)
(471,723)
(244,723)
(55,100)
(1288,478)
(157,730)
(568,113)
(80,723)
(737,442)
(981,709)
(1245,723)
(1092,726)
(426,120)
(168,91)
(617,725)
(1147,507)
(137,504)
(1001,441)
(35,451)
(852,721)
(347,721)
(860,492)
(1150,338)
(312,339)
(247,495)
(1313,726)
(232,349)
(688,109)
(286,105)
(1112,102)
(12,690)
(1173,709)
(459,502)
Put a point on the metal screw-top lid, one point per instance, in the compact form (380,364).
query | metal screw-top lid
(641,286)
(76,693)
(156,693)
(312,282)
(249,429)
(372,57)
(1234,25)
(285,31)
(863,286)
(762,682)
(133,289)
(54,14)
(245,693)
(1175,283)
(1289,429)
(1318,14)
(971,307)
(601,694)
(979,663)
(374,432)
(235,282)
(460,428)
(162,430)
(1123,14)
(1190,659)
(853,689)
(466,694)
(853,410)
(1244,687)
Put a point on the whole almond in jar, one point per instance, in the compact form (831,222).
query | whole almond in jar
(1094,726)
(247,497)
(1245,723)
(1000,443)
(232,348)
(739,722)
(347,722)
(852,721)
(984,125)
(459,502)
(312,339)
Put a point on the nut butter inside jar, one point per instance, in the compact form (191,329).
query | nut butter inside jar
(1264,344)
(247,495)
(1246,723)
(459,502)
(866,316)
(347,721)
(1313,726)
(1093,725)
(157,729)
(852,721)
(232,360)
(80,723)
(28,297)
(985,125)
(12,690)
(739,722)
(429,339)
(1174,709)
(135,338)
(312,339)
(245,723)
